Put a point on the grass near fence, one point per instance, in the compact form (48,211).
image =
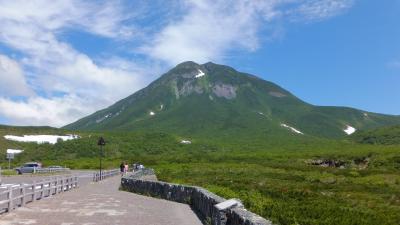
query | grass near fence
(7,172)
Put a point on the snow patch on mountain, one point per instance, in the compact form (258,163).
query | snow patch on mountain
(291,128)
(277,94)
(186,142)
(103,118)
(200,74)
(349,130)
(41,139)
(14,151)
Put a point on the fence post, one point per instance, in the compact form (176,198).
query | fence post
(66,184)
(10,199)
(23,200)
(62,184)
(41,190)
(56,186)
(44,189)
(49,188)
(34,191)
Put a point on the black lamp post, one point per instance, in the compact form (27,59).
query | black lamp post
(101,143)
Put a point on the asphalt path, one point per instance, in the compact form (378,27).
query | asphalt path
(101,203)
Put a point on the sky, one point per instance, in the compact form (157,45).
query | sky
(63,60)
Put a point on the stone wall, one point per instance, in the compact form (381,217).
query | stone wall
(201,200)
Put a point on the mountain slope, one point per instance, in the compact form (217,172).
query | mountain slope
(213,100)
(384,135)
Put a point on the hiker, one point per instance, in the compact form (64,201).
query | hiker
(134,167)
(126,168)
(122,168)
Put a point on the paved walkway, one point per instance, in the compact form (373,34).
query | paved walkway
(101,203)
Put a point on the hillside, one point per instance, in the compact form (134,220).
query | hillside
(384,135)
(216,101)
(278,179)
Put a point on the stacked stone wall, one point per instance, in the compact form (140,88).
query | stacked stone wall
(201,200)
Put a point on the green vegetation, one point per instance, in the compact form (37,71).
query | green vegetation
(227,103)
(240,148)
(274,177)
(385,135)
(7,172)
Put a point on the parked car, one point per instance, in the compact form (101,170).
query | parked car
(29,167)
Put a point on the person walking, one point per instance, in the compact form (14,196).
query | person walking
(126,168)
(122,168)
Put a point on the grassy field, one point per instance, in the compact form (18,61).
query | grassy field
(282,187)
(7,172)
(274,177)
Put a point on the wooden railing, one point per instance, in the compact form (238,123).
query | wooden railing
(105,174)
(19,195)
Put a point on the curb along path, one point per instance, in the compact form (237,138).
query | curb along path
(101,203)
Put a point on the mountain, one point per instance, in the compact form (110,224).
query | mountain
(216,101)
(383,135)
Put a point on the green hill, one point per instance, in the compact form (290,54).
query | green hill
(279,179)
(384,135)
(216,101)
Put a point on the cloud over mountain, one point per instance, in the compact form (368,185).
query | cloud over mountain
(60,81)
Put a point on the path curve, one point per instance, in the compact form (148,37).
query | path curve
(101,203)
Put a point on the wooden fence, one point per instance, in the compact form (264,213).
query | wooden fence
(19,195)
(105,174)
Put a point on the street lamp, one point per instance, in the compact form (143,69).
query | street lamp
(101,143)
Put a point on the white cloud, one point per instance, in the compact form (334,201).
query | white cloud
(209,29)
(394,64)
(312,10)
(62,84)
(72,83)
(102,18)
(42,111)
(12,78)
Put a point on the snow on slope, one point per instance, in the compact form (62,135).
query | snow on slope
(14,151)
(186,142)
(291,128)
(349,130)
(201,73)
(40,139)
(103,118)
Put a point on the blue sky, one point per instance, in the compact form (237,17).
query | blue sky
(349,60)
(60,61)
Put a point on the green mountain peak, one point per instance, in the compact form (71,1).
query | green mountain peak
(212,100)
